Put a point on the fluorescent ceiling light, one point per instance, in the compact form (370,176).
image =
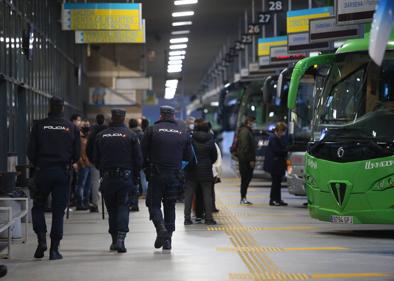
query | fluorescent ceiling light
(180,32)
(215,103)
(178,46)
(177,53)
(174,70)
(173,67)
(181,23)
(182,14)
(176,58)
(179,40)
(172,83)
(175,62)
(185,2)
(169,93)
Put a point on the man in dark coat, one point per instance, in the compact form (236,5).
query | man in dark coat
(165,145)
(118,156)
(54,145)
(199,174)
(275,163)
(95,174)
(246,152)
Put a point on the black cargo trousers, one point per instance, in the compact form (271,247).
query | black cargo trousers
(52,181)
(116,189)
(164,184)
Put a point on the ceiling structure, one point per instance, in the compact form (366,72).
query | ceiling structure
(214,23)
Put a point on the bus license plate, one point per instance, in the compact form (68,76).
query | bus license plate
(342,219)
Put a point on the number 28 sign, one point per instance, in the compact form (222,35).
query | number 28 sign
(275,6)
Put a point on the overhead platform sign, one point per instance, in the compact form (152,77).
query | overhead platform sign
(280,54)
(298,20)
(298,29)
(355,11)
(265,44)
(101,16)
(323,30)
(111,36)
(264,48)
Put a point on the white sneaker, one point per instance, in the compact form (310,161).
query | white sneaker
(245,202)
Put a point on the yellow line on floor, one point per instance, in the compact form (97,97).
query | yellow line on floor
(301,276)
(348,275)
(277,250)
(257,228)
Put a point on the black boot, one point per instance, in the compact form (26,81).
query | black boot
(54,253)
(42,245)
(3,270)
(113,246)
(120,242)
(162,235)
(167,245)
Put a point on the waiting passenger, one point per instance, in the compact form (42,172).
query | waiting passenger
(95,173)
(246,151)
(199,174)
(135,128)
(83,188)
(54,145)
(217,173)
(275,163)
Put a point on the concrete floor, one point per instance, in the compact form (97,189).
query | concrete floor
(250,243)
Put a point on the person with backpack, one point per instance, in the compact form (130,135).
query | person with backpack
(199,172)
(246,153)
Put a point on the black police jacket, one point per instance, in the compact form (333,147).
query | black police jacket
(166,144)
(206,153)
(117,147)
(54,141)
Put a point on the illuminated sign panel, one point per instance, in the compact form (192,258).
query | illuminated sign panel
(111,36)
(101,16)
(298,20)
(265,44)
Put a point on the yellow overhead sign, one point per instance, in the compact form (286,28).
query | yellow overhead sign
(101,16)
(298,20)
(111,36)
(265,44)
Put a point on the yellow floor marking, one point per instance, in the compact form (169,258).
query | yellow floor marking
(348,275)
(317,249)
(277,250)
(261,267)
(258,228)
(263,259)
(300,276)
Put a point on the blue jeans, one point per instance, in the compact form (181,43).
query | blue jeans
(84,188)
(163,187)
(54,181)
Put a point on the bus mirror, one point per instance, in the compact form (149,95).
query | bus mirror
(299,70)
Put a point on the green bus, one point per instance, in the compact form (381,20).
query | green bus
(349,174)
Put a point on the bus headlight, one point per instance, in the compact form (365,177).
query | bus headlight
(384,184)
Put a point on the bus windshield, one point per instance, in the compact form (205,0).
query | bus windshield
(302,114)
(357,99)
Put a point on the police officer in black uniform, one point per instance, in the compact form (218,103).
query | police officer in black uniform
(118,157)
(54,145)
(165,145)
